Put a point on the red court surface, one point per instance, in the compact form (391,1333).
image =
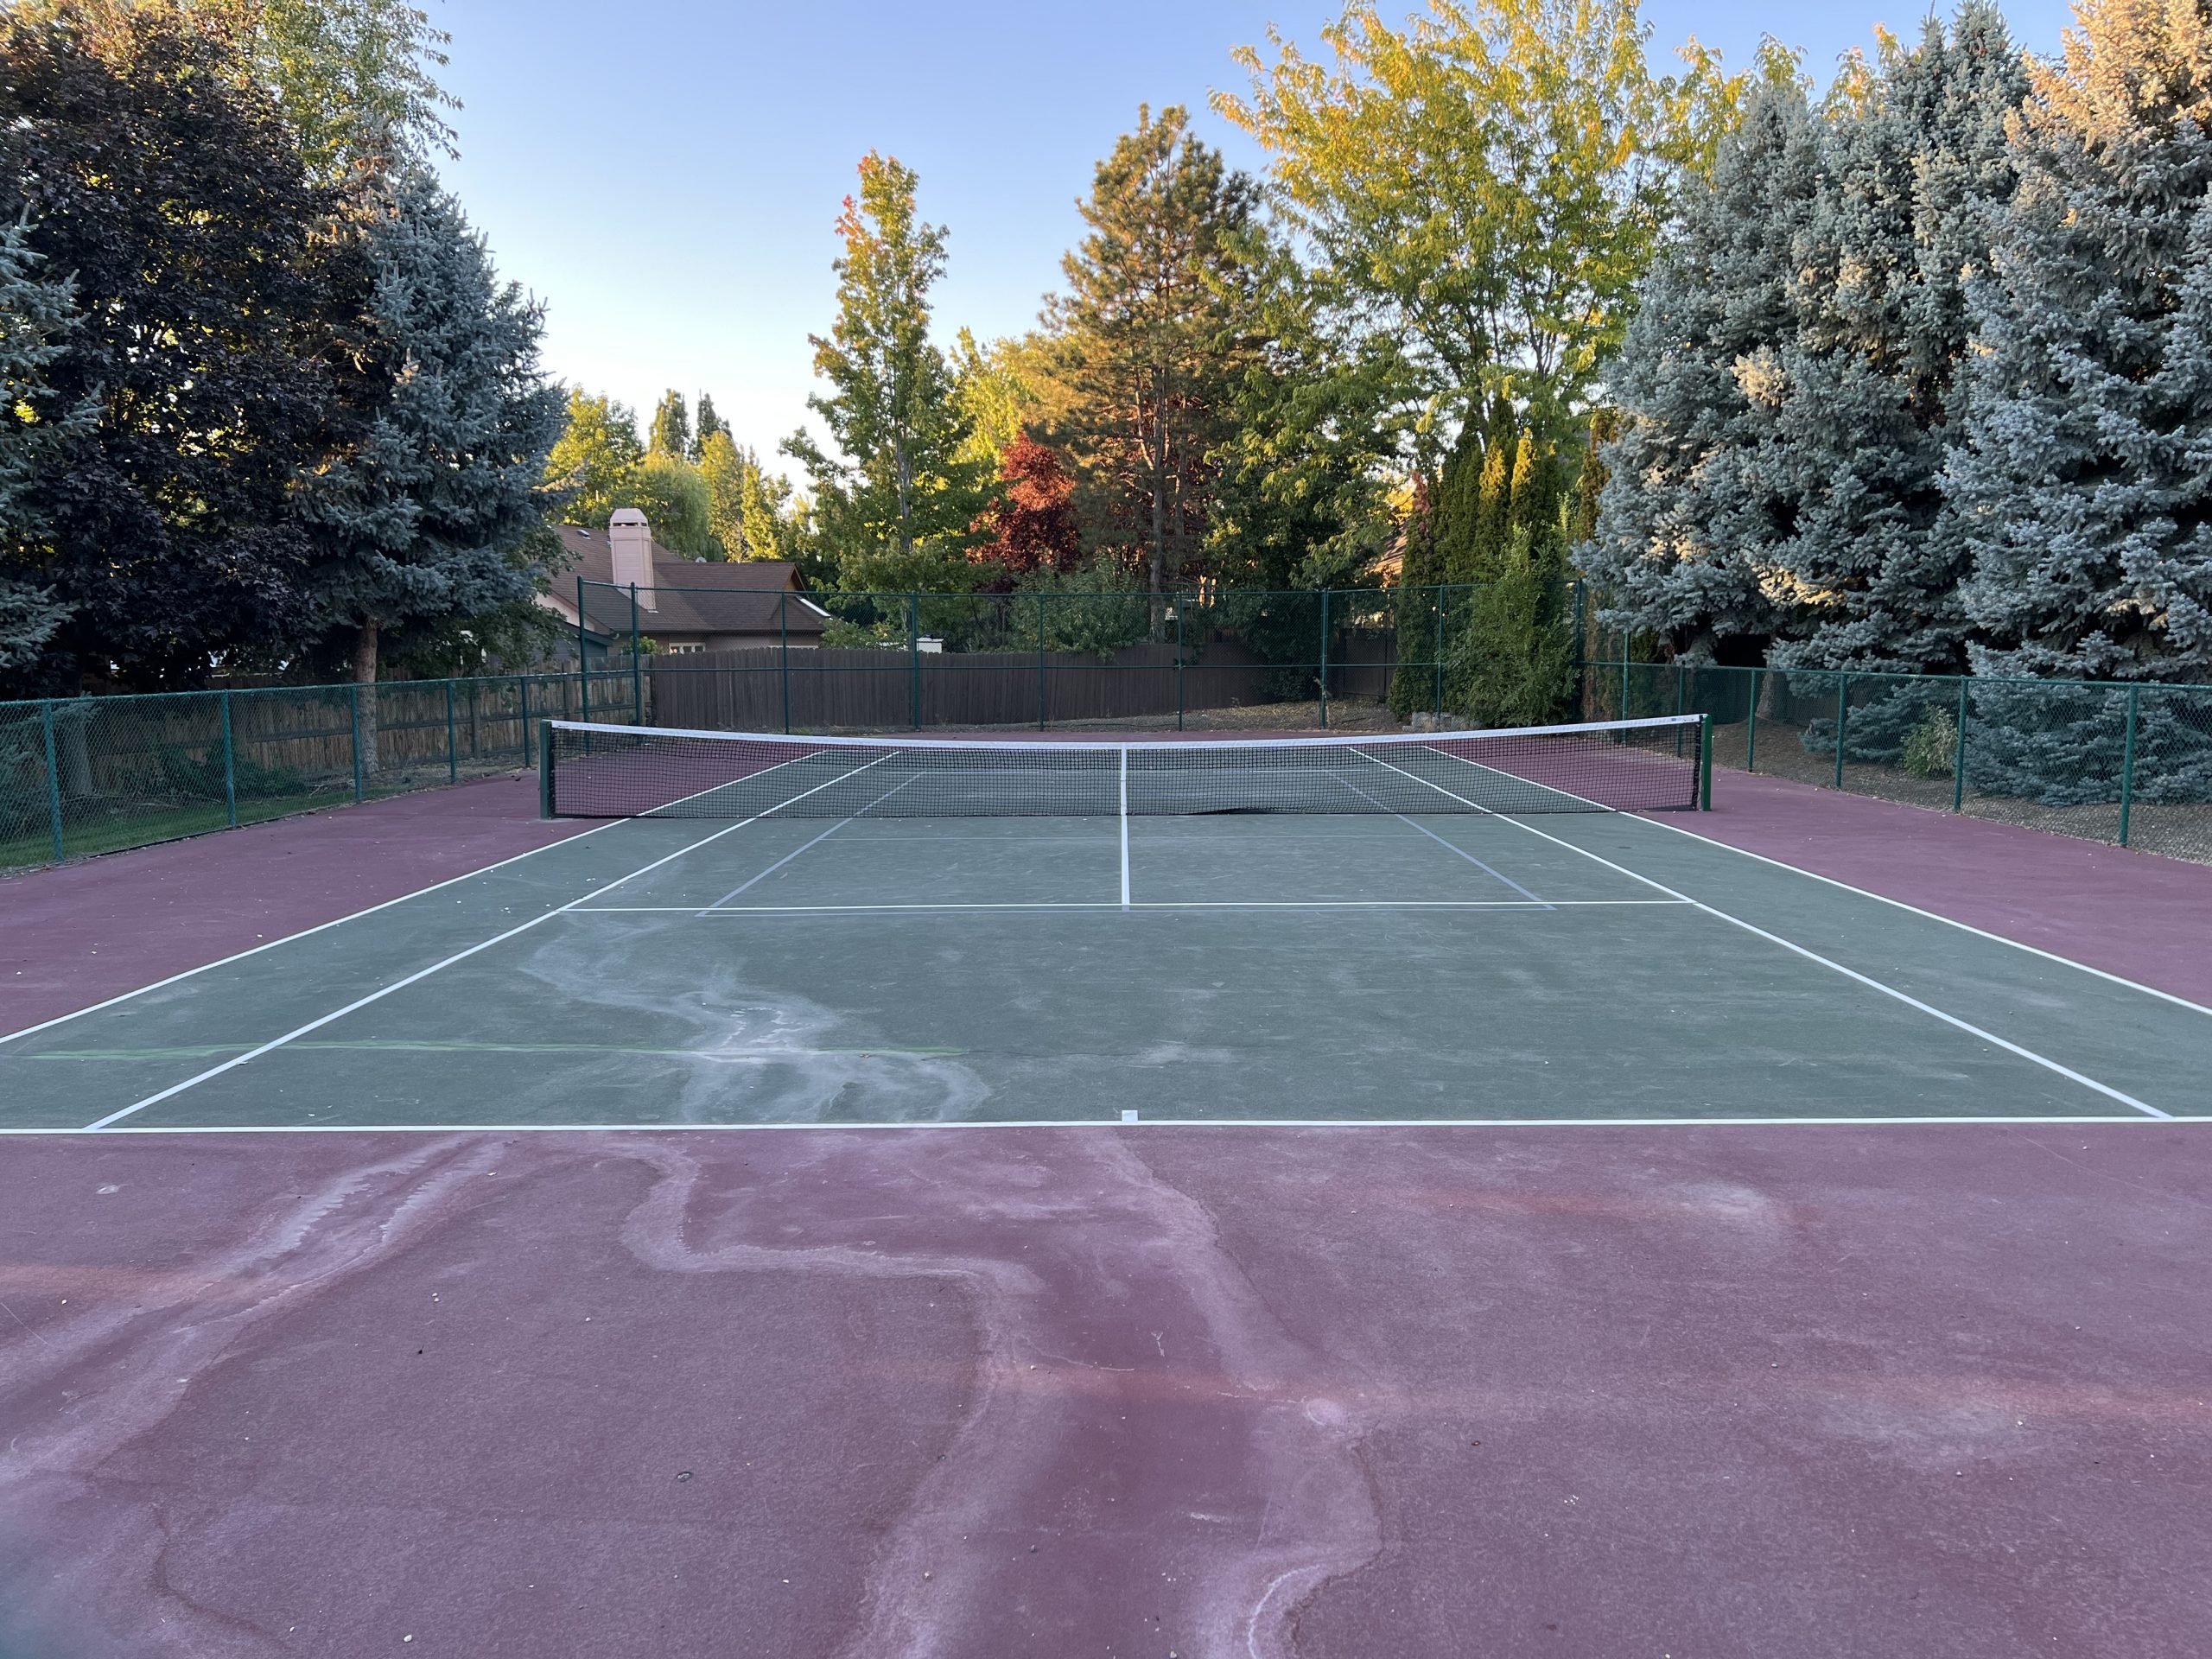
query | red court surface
(1300,1393)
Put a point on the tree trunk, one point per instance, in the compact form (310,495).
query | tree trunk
(1159,529)
(365,676)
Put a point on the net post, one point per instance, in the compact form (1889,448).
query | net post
(230,768)
(1958,753)
(637,667)
(1324,659)
(2127,763)
(545,768)
(453,739)
(1704,763)
(914,658)
(1751,728)
(53,779)
(1842,714)
(353,697)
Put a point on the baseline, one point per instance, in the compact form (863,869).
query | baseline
(2181,1123)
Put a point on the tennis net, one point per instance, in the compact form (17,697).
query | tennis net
(590,771)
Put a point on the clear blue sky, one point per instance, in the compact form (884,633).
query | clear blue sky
(664,173)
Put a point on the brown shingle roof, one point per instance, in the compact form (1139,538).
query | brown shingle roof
(744,596)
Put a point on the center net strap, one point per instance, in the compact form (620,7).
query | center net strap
(616,771)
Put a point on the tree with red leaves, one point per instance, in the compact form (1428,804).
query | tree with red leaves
(1031,526)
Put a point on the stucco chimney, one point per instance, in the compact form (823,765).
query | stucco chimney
(630,540)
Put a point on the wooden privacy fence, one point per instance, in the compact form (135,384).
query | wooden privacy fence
(875,689)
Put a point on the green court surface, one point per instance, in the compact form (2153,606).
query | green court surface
(1214,969)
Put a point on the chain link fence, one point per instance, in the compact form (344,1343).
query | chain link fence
(2126,763)
(97,774)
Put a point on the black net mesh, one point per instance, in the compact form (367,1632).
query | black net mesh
(607,772)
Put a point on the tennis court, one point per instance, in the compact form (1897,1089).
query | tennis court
(1434,930)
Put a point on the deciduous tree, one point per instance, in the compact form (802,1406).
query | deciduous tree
(1482,190)
(595,460)
(173,194)
(895,499)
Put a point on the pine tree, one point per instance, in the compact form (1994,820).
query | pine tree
(671,434)
(1148,337)
(36,311)
(1915,166)
(419,519)
(2081,481)
(1696,497)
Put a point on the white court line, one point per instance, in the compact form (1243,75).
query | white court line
(788,857)
(1933,915)
(274,1043)
(1440,841)
(1125,829)
(351,916)
(1152,1125)
(1872,984)
(1143,904)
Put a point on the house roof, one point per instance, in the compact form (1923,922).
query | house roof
(742,596)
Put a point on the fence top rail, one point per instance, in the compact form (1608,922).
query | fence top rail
(335,688)
(1361,740)
(1614,664)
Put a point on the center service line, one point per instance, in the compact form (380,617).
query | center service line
(1125,829)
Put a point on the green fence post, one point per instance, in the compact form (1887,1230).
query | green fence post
(1682,692)
(1040,663)
(1958,753)
(53,781)
(1324,659)
(1436,649)
(1623,711)
(452,740)
(229,767)
(544,767)
(914,656)
(1751,728)
(583,657)
(1704,763)
(1842,714)
(637,665)
(784,644)
(1181,600)
(521,738)
(2127,763)
(353,697)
